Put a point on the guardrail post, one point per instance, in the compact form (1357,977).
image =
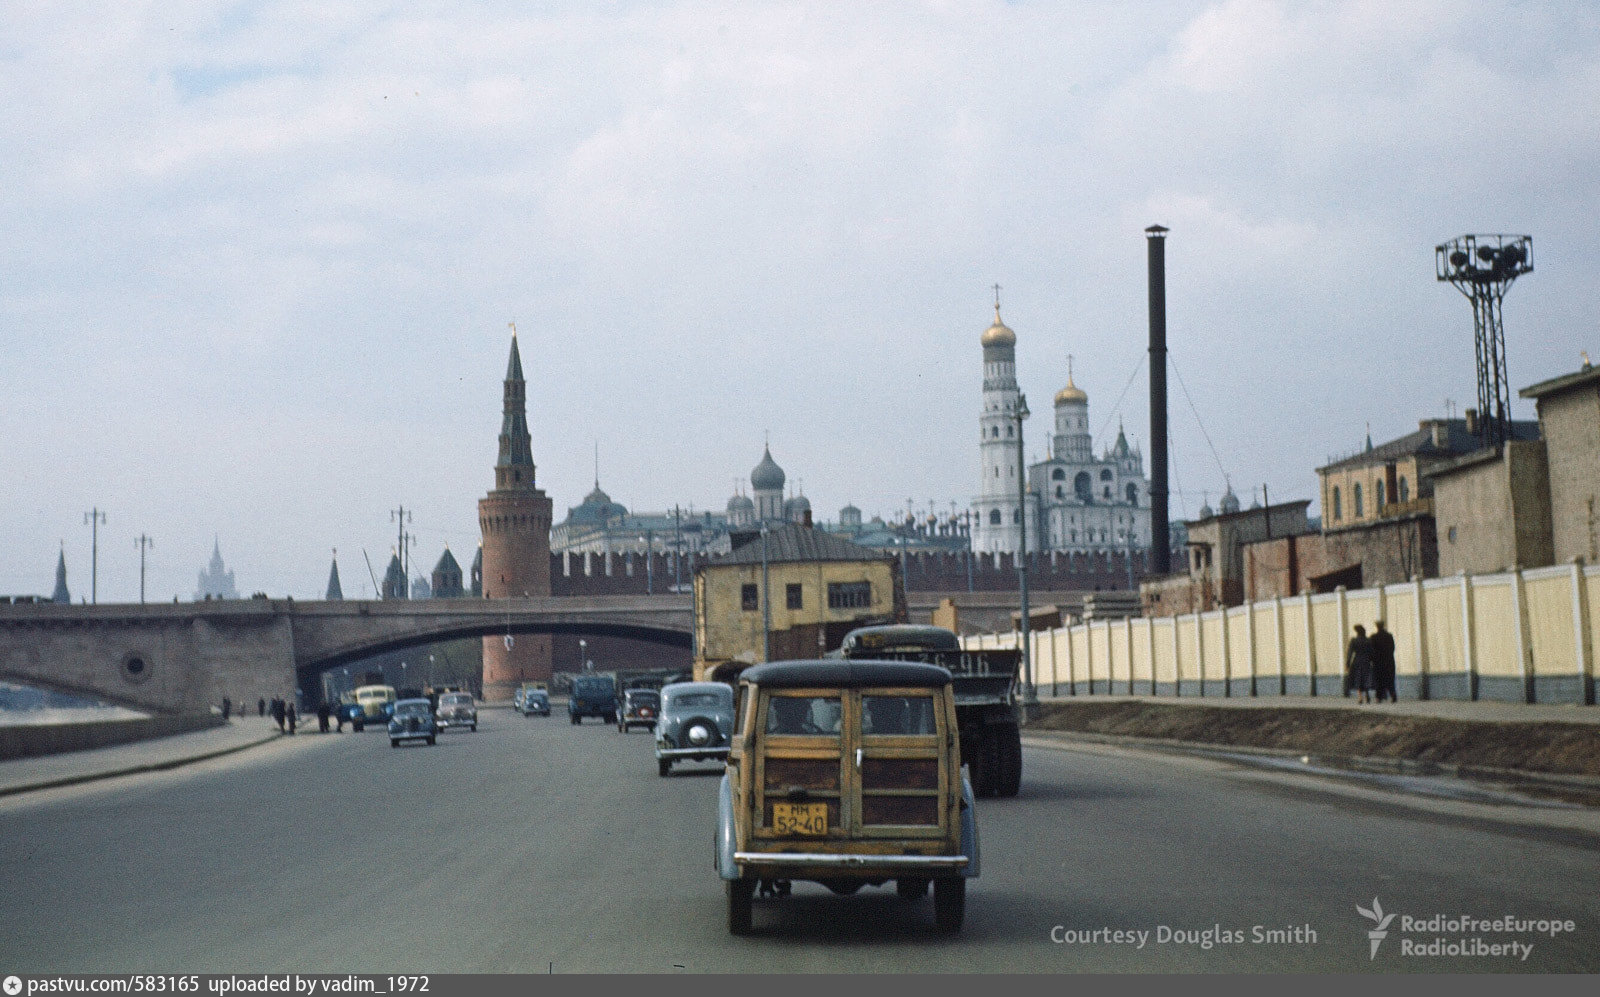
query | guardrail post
(1177,666)
(1282,651)
(1420,625)
(1344,641)
(1227,656)
(1150,647)
(1311,645)
(1580,624)
(1088,652)
(1072,674)
(1468,661)
(1250,641)
(1127,634)
(1200,650)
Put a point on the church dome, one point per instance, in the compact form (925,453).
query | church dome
(1206,512)
(794,508)
(767,476)
(1071,394)
(597,507)
(1230,501)
(997,334)
(740,503)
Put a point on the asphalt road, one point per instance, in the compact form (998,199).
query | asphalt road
(534,845)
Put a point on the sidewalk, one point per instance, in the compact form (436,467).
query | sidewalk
(24,775)
(1438,709)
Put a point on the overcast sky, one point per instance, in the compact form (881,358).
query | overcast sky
(257,260)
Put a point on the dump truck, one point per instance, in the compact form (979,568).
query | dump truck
(985,683)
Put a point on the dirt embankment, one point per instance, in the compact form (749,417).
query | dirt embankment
(1571,749)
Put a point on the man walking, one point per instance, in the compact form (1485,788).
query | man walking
(278,714)
(1383,663)
(322,716)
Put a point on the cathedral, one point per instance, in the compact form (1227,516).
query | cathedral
(1074,502)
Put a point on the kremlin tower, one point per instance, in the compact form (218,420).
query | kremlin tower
(515,520)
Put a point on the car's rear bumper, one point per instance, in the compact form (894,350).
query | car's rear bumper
(896,864)
(697,754)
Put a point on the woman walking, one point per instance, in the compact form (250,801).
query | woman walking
(1358,665)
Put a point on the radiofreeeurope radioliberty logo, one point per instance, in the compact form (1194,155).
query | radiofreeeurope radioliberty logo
(1460,935)
(1380,924)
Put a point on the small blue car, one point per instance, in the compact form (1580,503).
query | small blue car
(695,724)
(535,701)
(412,721)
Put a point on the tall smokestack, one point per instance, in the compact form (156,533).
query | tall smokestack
(1160,534)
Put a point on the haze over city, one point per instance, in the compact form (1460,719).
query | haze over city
(261,258)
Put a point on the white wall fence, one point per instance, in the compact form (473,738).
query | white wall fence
(1525,636)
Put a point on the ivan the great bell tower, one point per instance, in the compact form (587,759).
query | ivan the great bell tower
(515,520)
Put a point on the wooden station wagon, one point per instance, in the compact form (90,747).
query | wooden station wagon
(847,774)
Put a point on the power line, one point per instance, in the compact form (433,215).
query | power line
(1172,360)
(1117,408)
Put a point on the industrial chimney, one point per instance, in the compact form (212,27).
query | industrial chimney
(1160,532)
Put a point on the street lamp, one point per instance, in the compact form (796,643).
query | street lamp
(1020,412)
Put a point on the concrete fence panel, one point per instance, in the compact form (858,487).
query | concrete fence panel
(1241,658)
(1495,628)
(1328,643)
(1164,635)
(1080,660)
(1556,673)
(1100,656)
(1213,652)
(1266,653)
(1400,616)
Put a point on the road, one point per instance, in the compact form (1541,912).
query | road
(534,846)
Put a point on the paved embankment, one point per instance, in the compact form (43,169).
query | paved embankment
(1460,737)
(70,768)
(33,740)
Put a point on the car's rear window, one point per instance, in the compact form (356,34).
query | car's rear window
(889,715)
(814,715)
(457,699)
(696,699)
(409,708)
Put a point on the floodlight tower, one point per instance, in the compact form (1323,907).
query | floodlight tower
(1482,267)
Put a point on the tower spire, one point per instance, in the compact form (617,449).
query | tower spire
(61,594)
(514,468)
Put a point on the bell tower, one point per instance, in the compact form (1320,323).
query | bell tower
(515,521)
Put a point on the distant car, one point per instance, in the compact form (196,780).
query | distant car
(355,714)
(535,701)
(640,708)
(412,721)
(696,723)
(457,709)
(593,696)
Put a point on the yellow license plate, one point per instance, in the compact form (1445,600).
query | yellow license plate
(800,818)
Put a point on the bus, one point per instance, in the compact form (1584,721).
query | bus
(375,701)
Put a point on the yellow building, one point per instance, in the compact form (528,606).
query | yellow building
(818,588)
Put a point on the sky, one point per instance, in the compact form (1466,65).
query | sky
(259,261)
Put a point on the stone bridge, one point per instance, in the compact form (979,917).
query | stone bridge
(183,657)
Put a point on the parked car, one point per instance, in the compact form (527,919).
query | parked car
(412,721)
(696,723)
(593,696)
(457,709)
(535,701)
(847,774)
(640,708)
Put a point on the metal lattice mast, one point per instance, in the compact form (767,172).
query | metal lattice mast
(1483,267)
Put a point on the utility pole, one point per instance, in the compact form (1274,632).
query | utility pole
(677,549)
(1029,695)
(143,542)
(403,545)
(766,606)
(94,519)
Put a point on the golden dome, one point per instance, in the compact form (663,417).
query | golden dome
(1071,393)
(998,334)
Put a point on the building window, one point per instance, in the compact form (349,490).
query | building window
(1061,493)
(849,595)
(1336,510)
(749,598)
(1380,496)
(1105,475)
(1008,432)
(1405,494)
(1016,515)
(793,597)
(994,517)
(1133,494)
(1058,475)
(1083,487)
(1356,493)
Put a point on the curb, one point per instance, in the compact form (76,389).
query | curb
(75,780)
(1358,763)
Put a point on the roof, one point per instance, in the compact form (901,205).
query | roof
(1566,382)
(900,636)
(851,674)
(447,562)
(1456,441)
(796,542)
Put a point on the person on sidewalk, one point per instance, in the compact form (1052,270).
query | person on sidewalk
(261,707)
(227,707)
(1383,667)
(322,716)
(278,714)
(1358,665)
(291,715)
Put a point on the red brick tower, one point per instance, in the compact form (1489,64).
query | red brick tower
(515,520)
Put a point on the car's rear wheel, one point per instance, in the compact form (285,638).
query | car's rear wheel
(739,903)
(663,766)
(432,739)
(394,742)
(949,904)
(911,889)
(576,719)
(984,765)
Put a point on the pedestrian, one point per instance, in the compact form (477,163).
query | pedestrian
(1358,665)
(338,714)
(1383,663)
(291,716)
(278,714)
(261,707)
(322,716)
(227,707)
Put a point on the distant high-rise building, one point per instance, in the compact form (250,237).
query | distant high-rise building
(61,594)
(215,581)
